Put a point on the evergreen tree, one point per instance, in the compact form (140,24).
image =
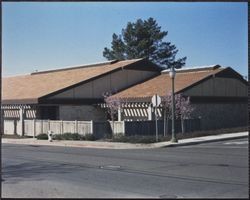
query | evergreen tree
(144,39)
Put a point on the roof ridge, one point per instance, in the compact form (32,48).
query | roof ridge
(16,75)
(76,67)
(84,66)
(194,69)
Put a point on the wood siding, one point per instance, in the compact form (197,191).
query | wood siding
(111,82)
(228,87)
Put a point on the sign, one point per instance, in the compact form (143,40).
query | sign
(156,100)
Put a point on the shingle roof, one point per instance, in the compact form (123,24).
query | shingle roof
(162,84)
(39,84)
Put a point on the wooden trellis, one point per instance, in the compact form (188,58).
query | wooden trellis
(13,111)
(135,110)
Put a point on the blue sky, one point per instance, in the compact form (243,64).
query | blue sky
(43,35)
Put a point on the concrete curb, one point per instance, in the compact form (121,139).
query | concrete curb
(204,141)
(119,145)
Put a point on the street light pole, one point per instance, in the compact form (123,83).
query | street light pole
(172,76)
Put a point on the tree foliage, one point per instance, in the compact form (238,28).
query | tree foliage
(183,108)
(144,38)
(113,104)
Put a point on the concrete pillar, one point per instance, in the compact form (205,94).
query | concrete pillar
(124,128)
(42,126)
(34,128)
(119,114)
(61,126)
(92,127)
(149,112)
(21,115)
(76,126)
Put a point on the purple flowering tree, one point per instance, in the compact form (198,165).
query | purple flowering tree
(183,109)
(113,105)
(166,105)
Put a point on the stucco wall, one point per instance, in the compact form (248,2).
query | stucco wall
(216,116)
(83,113)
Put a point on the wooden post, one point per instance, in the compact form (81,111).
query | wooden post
(21,121)
(76,126)
(123,127)
(42,126)
(119,114)
(91,127)
(149,112)
(34,128)
(61,126)
(48,125)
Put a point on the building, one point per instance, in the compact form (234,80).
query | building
(71,93)
(218,94)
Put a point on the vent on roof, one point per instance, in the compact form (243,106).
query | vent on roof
(194,69)
(75,67)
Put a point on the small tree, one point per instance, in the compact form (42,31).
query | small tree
(113,105)
(183,109)
(166,105)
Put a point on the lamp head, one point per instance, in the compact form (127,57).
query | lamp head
(172,72)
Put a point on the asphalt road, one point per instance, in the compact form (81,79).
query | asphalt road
(211,170)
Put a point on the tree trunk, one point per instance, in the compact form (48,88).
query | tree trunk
(113,126)
(167,126)
(182,125)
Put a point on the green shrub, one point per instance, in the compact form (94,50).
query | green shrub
(133,139)
(109,136)
(76,136)
(68,136)
(90,137)
(57,137)
(145,139)
(120,138)
(42,136)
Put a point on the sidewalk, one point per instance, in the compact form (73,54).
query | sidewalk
(120,145)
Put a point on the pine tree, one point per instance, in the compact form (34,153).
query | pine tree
(144,39)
